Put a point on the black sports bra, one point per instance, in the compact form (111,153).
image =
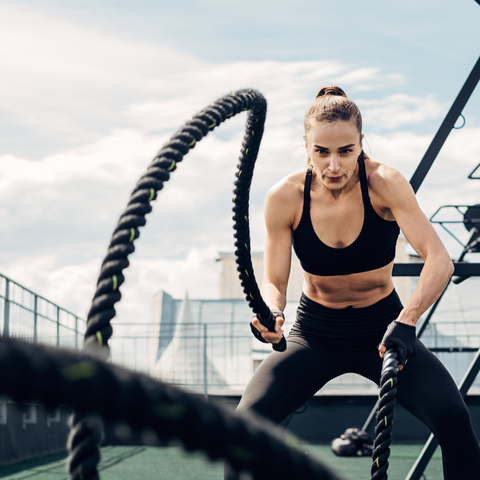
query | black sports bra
(373,248)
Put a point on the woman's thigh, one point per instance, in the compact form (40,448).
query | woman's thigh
(284,381)
(428,391)
(425,388)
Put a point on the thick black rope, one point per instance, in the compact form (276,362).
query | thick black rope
(383,429)
(102,311)
(244,174)
(52,376)
(98,329)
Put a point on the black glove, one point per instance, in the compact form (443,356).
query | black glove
(401,337)
(257,334)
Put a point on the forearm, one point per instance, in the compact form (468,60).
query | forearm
(432,281)
(274,295)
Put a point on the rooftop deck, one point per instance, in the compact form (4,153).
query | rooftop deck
(171,463)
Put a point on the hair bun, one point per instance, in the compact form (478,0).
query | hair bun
(331,90)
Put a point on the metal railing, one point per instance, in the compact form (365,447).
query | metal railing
(29,316)
(217,356)
(218,359)
(202,357)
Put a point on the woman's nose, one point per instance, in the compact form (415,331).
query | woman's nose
(334,164)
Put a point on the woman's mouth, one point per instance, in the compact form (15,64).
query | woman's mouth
(335,179)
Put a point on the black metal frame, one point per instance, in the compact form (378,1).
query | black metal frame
(446,127)
(443,222)
(414,269)
(470,176)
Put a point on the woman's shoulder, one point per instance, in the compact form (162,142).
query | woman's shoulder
(284,201)
(382,177)
(290,186)
(388,188)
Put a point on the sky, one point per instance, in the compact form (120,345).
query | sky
(91,90)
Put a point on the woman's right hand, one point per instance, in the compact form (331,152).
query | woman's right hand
(268,336)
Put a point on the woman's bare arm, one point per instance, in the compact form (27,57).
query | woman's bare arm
(279,217)
(400,199)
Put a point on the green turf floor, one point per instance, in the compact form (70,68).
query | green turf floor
(171,463)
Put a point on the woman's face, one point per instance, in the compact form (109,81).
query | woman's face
(333,150)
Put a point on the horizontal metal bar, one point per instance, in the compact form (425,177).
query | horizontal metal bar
(41,315)
(414,269)
(199,335)
(452,349)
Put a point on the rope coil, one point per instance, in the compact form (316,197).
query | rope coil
(384,427)
(99,329)
(54,376)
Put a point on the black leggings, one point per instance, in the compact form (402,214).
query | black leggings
(325,343)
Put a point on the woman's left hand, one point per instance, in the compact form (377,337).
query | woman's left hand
(401,336)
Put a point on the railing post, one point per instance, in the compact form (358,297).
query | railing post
(58,326)
(205,370)
(76,332)
(6,312)
(35,319)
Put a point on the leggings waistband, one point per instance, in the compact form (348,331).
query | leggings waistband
(392,300)
(316,319)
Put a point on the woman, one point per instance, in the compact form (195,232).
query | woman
(343,213)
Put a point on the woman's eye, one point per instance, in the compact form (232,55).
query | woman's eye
(347,150)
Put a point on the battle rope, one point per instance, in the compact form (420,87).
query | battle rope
(383,430)
(250,146)
(99,330)
(53,376)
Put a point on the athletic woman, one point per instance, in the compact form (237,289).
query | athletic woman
(342,213)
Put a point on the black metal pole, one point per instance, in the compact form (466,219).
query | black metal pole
(446,127)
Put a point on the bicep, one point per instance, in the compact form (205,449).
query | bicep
(278,245)
(277,258)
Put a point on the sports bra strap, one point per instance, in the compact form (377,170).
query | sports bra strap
(306,189)
(363,181)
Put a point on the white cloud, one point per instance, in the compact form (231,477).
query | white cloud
(400,109)
(68,83)
(119,101)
